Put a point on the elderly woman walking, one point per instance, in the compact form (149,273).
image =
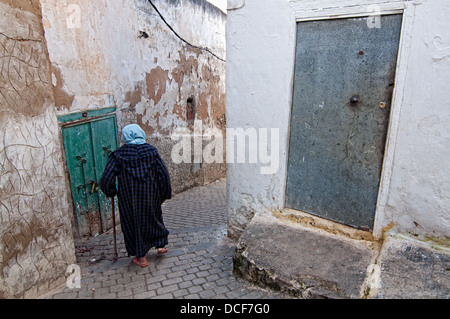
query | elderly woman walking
(143,185)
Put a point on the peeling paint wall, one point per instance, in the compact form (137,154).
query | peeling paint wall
(36,243)
(414,192)
(100,58)
(62,57)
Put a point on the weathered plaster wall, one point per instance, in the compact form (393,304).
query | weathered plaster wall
(414,192)
(418,196)
(36,243)
(259,72)
(99,60)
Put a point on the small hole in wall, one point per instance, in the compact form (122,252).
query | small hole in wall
(143,34)
(190,109)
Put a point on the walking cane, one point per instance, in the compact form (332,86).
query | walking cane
(114,229)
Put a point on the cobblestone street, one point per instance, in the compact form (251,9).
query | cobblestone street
(198,264)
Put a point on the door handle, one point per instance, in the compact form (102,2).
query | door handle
(107,150)
(354,99)
(81,159)
(94,186)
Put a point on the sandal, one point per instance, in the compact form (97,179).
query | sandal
(162,250)
(135,260)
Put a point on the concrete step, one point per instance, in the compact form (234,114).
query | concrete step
(311,263)
(412,269)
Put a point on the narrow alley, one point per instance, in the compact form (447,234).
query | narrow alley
(307,144)
(197,265)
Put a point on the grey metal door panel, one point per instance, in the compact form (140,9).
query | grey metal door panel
(343,83)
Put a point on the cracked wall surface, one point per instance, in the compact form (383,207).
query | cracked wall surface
(62,57)
(36,242)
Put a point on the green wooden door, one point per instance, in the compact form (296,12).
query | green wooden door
(87,146)
(104,141)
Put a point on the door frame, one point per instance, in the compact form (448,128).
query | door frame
(74,119)
(341,9)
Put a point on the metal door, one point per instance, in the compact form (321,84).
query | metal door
(87,146)
(343,84)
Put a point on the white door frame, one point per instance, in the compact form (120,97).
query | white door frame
(307,10)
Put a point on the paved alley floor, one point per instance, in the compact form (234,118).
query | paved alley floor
(198,264)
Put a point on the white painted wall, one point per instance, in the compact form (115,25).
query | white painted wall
(260,61)
(221,4)
(415,191)
(418,196)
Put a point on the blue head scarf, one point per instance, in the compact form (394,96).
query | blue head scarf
(133,134)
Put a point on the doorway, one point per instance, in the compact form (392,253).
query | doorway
(343,84)
(87,145)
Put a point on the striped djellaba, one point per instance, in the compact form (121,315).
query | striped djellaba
(143,184)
